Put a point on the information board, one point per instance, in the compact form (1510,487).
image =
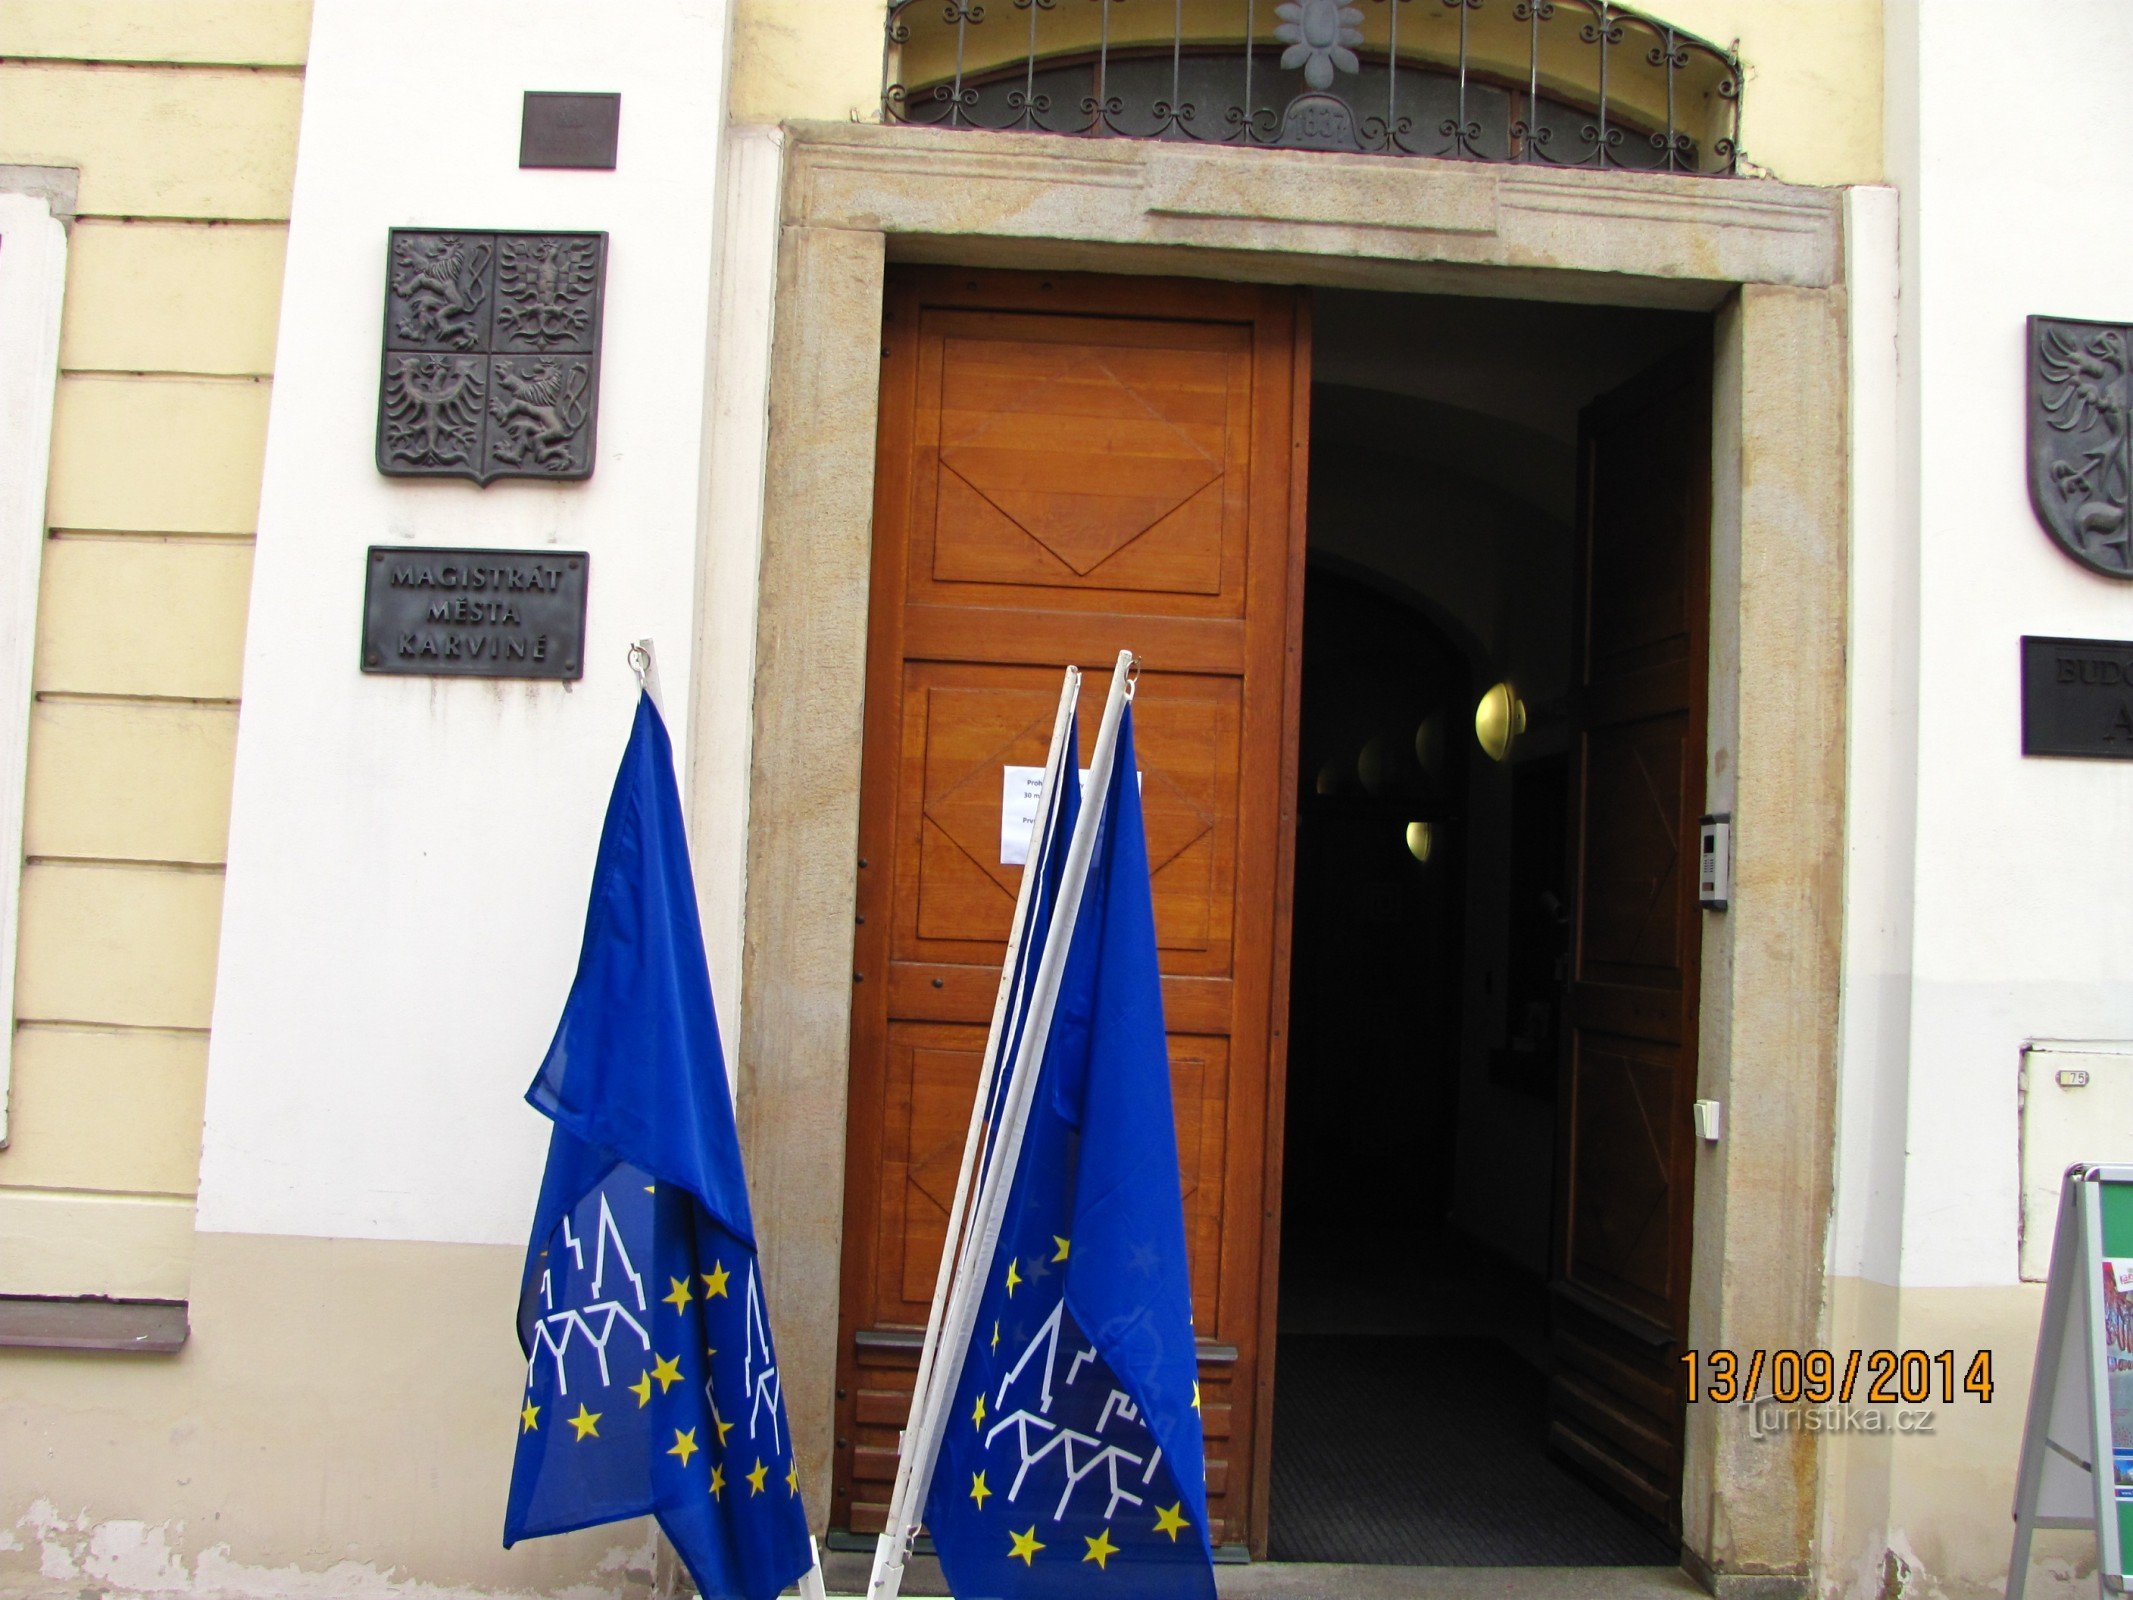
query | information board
(2077,1444)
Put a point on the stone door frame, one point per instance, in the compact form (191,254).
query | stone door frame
(1767,259)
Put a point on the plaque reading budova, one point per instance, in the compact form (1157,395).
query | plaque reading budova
(474,613)
(2077,697)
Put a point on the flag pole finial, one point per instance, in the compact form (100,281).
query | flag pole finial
(646,665)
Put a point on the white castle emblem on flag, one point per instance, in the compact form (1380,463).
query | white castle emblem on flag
(1038,1436)
(554,1330)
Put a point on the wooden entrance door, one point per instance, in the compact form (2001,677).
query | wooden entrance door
(1069,466)
(1626,1151)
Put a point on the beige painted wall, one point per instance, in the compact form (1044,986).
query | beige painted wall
(1811,111)
(1930,1512)
(339,1428)
(182,119)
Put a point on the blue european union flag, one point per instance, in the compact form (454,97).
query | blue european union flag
(651,1383)
(1072,1458)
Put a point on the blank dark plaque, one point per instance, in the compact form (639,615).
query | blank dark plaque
(2077,697)
(474,613)
(492,354)
(569,130)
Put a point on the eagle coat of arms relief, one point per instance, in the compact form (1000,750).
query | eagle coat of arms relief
(2080,447)
(491,366)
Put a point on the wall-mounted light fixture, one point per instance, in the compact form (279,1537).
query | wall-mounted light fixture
(1421,839)
(1498,720)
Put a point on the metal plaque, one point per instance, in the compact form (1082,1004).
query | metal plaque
(2077,697)
(492,354)
(474,613)
(2080,449)
(569,130)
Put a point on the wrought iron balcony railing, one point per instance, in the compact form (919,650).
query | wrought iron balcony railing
(1568,83)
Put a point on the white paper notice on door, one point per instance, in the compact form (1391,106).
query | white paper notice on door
(1020,790)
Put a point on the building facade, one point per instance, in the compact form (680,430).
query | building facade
(1714,451)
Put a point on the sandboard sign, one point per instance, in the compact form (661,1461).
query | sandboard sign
(2077,1444)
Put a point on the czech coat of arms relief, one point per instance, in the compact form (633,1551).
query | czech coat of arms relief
(2080,450)
(492,354)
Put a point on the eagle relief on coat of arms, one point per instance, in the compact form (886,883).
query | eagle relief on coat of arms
(2080,449)
(492,354)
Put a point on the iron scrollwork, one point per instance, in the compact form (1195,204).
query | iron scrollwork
(1544,82)
(2080,450)
(491,366)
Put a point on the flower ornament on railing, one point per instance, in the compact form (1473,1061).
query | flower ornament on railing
(1321,35)
(1558,83)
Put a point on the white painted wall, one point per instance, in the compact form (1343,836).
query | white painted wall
(409,857)
(33,277)
(1881,753)
(2022,920)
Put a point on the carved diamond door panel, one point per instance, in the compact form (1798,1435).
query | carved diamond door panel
(931,1071)
(1067,467)
(1626,1151)
(1623,1211)
(965,726)
(1085,460)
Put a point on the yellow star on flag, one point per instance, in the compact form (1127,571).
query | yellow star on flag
(724,1427)
(1170,1520)
(1014,1281)
(1196,1396)
(978,1491)
(977,1416)
(586,1422)
(755,1478)
(666,1371)
(792,1480)
(715,1281)
(1101,1549)
(642,1389)
(718,1482)
(530,1418)
(678,1296)
(684,1445)
(996,1336)
(1025,1546)
(1061,1253)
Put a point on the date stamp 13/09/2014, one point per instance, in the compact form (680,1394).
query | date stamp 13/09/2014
(1823,1377)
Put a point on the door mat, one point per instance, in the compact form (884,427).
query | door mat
(1430,1452)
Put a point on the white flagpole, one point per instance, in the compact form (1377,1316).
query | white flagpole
(892,1549)
(922,1440)
(811,1580)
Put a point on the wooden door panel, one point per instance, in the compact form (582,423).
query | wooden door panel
(1645,606)
(1620,1245)
(938,1080)
(961,730)
(932,1073)
(1070,466)
(979,542)
(1636,798)
(1085,462)
(1626,1154)
(1199,1084)
(963,726)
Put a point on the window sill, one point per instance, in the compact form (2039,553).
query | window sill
(135,1327)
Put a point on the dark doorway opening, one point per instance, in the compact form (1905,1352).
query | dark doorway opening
(1419,1383)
